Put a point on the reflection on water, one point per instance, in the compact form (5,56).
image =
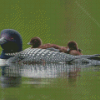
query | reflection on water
(47,75)
(11,75)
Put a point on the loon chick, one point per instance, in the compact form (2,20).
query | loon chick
(35,42)
(72,48)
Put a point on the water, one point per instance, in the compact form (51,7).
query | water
(50,81)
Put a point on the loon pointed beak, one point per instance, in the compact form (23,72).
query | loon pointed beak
(2,40)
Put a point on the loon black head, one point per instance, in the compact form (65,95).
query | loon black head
(10,41)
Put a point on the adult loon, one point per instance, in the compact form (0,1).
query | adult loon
(11,43)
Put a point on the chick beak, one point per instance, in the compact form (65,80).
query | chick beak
(2,40)
(29,43)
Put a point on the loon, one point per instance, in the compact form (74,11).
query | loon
(11,43)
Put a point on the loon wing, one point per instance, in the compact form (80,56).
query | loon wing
(39,55)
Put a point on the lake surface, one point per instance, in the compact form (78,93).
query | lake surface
(50,82)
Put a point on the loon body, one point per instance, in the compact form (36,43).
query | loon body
(39,55)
